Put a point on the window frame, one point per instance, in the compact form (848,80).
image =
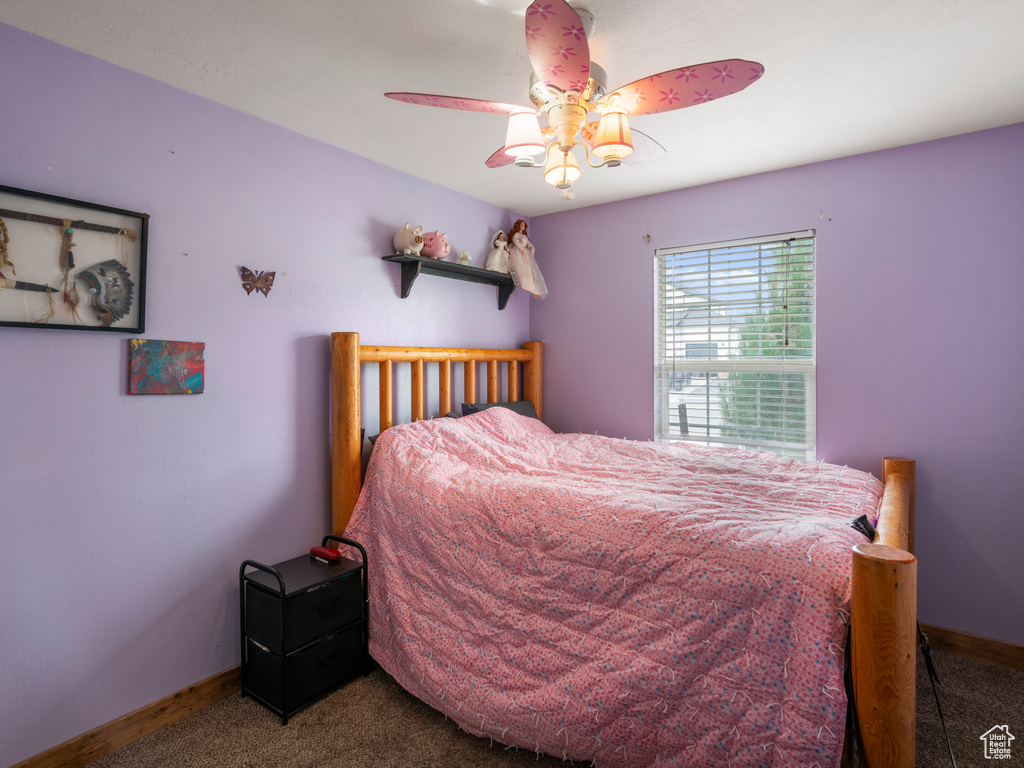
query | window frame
(667,375)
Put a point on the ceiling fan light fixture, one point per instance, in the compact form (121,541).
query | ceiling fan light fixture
(567,87)
(613,141)
(561,168)
(523,138)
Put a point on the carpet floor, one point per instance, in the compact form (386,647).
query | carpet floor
(374,723)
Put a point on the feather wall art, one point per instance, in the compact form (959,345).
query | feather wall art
(70,264)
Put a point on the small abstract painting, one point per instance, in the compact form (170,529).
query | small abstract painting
(165,367)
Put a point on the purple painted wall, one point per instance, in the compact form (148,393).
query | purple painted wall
(920,335)
(124,519)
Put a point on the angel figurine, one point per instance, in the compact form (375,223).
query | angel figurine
(497,259)
(523,266)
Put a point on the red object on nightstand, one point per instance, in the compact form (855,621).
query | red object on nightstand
(325,553)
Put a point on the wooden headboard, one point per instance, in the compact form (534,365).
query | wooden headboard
(347,355)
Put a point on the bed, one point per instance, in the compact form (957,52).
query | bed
(556,614)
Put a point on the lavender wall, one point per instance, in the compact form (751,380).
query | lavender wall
(920,335)
(124,519)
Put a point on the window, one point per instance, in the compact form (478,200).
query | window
(707,351)
(734,336)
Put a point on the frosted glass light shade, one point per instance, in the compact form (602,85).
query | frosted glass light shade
(523,137)
(613,140)
(561,169)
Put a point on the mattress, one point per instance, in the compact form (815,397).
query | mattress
(619,602)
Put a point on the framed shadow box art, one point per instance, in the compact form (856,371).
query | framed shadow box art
(71,265)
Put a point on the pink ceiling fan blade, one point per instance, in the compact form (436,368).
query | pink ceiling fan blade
(499,159)
(685,86)
(455,102)
(557,45)
(588,131)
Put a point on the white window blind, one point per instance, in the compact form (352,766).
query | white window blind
(734,335)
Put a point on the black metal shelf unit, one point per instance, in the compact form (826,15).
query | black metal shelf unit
(303,628)
(413,266)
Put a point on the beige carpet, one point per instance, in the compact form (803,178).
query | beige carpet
(974,696)
(374,723)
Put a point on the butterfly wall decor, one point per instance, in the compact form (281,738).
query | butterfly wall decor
(257,281)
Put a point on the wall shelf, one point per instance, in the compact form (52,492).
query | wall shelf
(413,266)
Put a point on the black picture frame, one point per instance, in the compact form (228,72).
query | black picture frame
(102,287)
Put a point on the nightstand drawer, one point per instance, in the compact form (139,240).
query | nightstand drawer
(315,613)
(308,674)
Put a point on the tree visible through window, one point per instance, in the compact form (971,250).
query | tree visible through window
(735,344)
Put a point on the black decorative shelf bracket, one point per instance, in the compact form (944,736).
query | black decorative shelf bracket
(413,266)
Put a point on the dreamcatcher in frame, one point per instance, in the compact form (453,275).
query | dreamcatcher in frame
(69,264)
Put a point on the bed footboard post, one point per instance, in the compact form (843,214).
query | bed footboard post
(533,375)
(345,444)
(905,470)
(883,653)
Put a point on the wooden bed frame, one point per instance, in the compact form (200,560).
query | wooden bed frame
(883,637)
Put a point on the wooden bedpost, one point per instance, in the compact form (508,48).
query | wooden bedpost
(345,444)
(892,466)
(883,640)
(533,372)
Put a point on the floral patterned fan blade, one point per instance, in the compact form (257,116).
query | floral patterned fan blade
(557,45)
(685,86)
(499,159)
(454,102)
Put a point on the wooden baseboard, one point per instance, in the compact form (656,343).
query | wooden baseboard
(101,741)
(975,647)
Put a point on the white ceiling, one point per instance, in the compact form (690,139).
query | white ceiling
(841,77)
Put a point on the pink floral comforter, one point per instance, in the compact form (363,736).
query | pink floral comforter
(625,603)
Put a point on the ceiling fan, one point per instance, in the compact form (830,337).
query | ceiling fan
(568,86)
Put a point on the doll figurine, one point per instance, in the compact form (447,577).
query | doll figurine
(497,259)
(522,264)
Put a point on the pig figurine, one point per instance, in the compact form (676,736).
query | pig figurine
(435,245)
(409,240)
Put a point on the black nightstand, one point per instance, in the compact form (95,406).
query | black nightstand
(303,628)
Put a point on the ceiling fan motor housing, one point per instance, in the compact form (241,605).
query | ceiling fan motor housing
(566,119)
(543,94)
